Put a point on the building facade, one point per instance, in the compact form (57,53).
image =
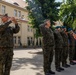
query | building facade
(25,37)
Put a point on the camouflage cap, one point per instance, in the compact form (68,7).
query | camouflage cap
(69,29)
(58,27)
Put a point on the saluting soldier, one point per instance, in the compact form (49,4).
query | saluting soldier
(65,47)
(6,43)
(48,46)
(71,45)
(58,48)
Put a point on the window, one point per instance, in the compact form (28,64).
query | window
(27,38)
(31,39)
(16,3)
(28,28)
(3,9)
(14,39)
(28,41)
(22,17)
(40,42)
(15,13)
(31,29)
(19,13)
(19,40)
(37,42)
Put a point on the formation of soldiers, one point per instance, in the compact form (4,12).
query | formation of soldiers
(62,42)
(6,43)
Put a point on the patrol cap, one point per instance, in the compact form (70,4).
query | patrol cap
(63,27)
(58,27)
(69,29)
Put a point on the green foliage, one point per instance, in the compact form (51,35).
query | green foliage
(50,9)
(68,13)
(40,10)
(74,24)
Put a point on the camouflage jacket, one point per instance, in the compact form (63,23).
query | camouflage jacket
(65,38)
(6,34)
(48,36)
(71,40)
(58,39)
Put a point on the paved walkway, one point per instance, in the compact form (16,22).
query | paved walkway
(29,62)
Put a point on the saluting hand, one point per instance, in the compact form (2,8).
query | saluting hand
(14,20)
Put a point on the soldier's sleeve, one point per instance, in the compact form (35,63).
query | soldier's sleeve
(4,26)
(61,38)
(54,33)
(16,28)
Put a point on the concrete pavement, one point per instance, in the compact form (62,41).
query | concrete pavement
(29,62)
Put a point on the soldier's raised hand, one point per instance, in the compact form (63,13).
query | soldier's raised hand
(14,20)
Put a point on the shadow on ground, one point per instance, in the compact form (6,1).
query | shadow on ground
(36,52)
(35,61)
(36,64)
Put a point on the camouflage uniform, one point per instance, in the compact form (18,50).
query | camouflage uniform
(58,48)
(6,44)
(65,48)
(48,47)
(2,49)
(2,52)
(71,47)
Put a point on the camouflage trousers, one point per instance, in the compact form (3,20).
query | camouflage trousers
(8,61)
(64,55)
(48,57)
(2,55)
(58,57)
(71,53)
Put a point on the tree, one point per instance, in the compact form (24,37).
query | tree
(50,9)
(68,13)
(40,10)
(35,15)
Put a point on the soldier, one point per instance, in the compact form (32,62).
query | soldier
(48,46)
(58,48)
(71,46)
(65,47)
(74,58)
(6,42)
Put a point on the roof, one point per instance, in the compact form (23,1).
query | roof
(11,3)
(21,3)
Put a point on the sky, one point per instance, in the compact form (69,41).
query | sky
(58,0)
